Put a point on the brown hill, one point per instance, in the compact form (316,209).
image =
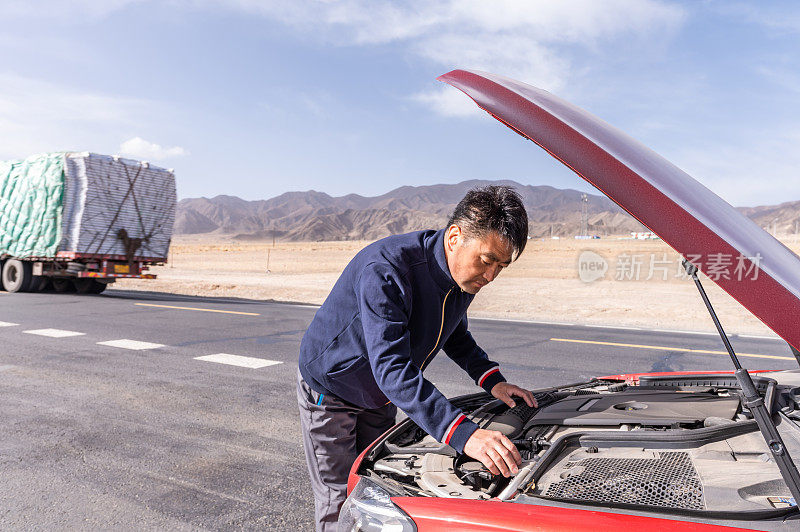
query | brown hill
(780,219)
(315,216)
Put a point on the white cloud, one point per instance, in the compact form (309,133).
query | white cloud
(149,151)
(526,40)
(38,116)
(448,101)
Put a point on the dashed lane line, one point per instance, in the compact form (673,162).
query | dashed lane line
(199,309)
(236,360)
(130,344)
(53,333)
(665,348)
(8,324)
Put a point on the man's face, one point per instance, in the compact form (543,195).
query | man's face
(475,262)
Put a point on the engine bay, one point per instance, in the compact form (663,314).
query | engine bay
(669,445)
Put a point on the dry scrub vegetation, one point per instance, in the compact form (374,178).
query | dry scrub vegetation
(542,285)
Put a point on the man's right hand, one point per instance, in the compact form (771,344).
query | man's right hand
(495,451)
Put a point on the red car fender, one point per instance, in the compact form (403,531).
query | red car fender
(352,478)
(444,515)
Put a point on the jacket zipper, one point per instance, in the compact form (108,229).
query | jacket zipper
(441,328)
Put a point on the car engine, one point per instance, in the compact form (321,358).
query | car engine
(683,445)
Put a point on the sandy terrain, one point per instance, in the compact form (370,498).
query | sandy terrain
(542,285)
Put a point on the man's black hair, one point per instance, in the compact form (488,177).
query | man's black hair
(493,208)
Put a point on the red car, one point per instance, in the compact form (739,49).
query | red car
(696,451)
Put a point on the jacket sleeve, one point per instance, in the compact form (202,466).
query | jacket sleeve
(385,307)
(462,348)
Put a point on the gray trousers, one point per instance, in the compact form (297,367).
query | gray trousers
(334,434)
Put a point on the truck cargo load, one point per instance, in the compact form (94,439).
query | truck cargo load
(83,215)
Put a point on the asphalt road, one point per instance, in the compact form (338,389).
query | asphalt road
(148,436)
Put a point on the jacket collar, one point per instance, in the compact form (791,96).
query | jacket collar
(437,261)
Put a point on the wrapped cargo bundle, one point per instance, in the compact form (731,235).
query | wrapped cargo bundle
(85,204)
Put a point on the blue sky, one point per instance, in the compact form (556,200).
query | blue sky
(256,98)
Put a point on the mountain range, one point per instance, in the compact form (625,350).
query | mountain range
(316,216)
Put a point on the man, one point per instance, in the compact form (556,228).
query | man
(398,302)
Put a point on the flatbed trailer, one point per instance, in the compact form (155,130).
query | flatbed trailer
(80,221)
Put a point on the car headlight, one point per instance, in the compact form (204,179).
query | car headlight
(370,509)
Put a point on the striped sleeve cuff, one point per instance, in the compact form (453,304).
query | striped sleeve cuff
(489,378)
(458,432)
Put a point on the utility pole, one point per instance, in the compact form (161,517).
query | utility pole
(584,215)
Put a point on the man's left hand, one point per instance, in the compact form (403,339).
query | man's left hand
(505,391)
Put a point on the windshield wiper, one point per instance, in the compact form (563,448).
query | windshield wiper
(753,400)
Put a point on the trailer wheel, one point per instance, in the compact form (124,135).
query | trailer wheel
(40,283)
(98,287)
(63,285)
(17,275)
(89,286)
(82,286)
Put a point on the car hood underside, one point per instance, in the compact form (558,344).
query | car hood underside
(689,217)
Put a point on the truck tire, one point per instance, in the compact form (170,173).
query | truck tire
(40,283)
(89,286)
(63,285)
(98,287)
(17,275)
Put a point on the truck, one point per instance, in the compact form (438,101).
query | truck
(78,221)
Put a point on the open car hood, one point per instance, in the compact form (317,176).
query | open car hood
(694,221)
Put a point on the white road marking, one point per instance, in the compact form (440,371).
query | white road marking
(6,366)
(523,321)
(704,333)
(54,333)
(8,324)
(130,344)
(759,337)
(615,327)
(236,360)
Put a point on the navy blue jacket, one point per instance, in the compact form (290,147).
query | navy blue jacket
(392,309)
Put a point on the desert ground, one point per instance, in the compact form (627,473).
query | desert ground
(542,285)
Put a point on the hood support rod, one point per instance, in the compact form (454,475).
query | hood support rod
(795,352)
(753,400)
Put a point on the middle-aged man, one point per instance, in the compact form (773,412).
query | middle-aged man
(398,302)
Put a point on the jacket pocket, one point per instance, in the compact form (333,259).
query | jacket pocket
(355,382)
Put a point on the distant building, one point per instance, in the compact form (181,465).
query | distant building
(644,235)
